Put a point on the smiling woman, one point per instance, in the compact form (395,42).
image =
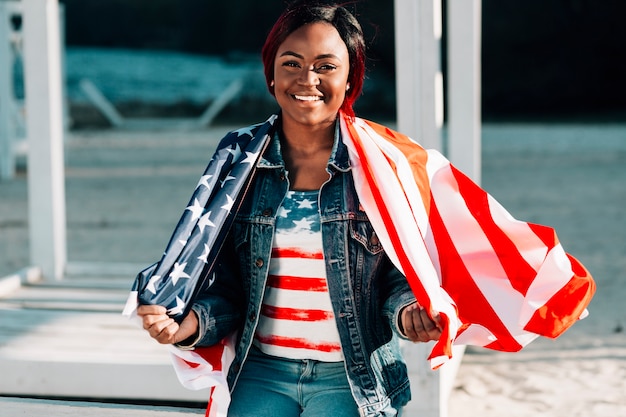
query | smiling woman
(340,215)
(303,349)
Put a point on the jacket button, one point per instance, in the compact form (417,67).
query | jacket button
(374,241)
(251,316)
(267,212)
(259,262)
(282,176)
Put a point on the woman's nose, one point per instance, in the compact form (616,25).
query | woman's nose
(308,76)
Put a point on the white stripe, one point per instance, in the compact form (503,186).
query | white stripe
(300,267)
(523,237)
(554,274)
(298,299)
(477,253)
(402,217)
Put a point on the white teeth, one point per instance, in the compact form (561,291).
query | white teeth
(307,98)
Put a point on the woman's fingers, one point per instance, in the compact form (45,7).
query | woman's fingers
(418,326)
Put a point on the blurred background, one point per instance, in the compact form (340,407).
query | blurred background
(542,60)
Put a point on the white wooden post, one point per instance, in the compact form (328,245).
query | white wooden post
(44,126)
(464,115)
(7,96)
(419,90)
(419,84)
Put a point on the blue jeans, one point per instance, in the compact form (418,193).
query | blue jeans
(269,386)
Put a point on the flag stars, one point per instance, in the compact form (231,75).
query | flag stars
(204,180)
(179,272)
(283,212)
(236,152)
(303,224)
(153,280)
(251,158)
(205,254)
(245,131)
(229,203)
(205,221)
(178,310)
(228,178)
(306,203)
(196,210)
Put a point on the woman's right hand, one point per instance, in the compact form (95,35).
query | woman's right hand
(165,329)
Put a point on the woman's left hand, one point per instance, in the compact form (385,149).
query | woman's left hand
(417,324)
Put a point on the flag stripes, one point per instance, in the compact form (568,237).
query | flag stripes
(497,282)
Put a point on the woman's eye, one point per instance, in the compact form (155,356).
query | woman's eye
(325,68)
(291,64)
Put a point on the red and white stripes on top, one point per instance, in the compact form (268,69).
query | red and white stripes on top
(297,319)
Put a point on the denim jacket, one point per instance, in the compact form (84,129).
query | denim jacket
(367,292)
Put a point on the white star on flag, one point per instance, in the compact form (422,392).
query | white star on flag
(180,306)
(303,223)
(235,152)
(196,209)
(229,203)
(204,180)
(205,254)
(205,221)
(245,131)
(179,272)
(228,178)
(150,286)
(251,158)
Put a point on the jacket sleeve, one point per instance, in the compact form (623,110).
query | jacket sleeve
(219,307)
(398,296)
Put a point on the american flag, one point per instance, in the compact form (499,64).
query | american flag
(496,282)
(187,264)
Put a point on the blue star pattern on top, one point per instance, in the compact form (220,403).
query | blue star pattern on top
(298,212)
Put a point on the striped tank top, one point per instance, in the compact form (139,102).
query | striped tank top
(297,319)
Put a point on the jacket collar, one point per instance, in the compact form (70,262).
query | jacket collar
(272,158)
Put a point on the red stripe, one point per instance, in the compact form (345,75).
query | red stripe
(518,271)
(298,343)
(295,253)
(287,282)
(295,314)
(211,354)
(472,306)
(559,312)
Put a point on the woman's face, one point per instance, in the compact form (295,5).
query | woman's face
(311,74)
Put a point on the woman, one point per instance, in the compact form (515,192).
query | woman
(307,277)
(318,317)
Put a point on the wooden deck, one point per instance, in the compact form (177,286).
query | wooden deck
(69,339)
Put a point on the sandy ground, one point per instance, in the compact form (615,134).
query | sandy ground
(125,192)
